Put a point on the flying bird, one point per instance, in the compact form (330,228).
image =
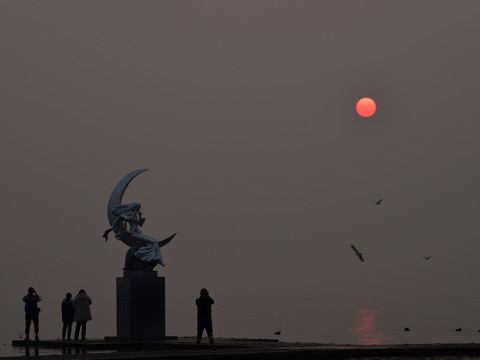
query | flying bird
(378,202)
(427,257)
(459,329)
(358,253)
(277,332)
(407,329)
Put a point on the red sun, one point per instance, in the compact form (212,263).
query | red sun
(366,107)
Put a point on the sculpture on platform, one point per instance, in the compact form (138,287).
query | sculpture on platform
(125,221)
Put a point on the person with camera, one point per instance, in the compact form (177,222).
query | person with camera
(31,312)
(204,318)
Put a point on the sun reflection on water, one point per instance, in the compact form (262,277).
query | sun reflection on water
(365,330)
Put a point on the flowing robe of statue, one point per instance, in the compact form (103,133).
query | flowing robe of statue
(126,227)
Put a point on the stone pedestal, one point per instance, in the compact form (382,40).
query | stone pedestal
(141,306)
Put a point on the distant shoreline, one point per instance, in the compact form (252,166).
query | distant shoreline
(241,349)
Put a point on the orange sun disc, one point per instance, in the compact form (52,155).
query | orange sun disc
(366,107)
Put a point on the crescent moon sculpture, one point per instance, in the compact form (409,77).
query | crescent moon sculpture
(125,221)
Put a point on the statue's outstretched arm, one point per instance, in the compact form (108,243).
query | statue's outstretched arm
(105,234)
(114,224)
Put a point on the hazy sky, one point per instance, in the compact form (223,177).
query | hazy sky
(244,112)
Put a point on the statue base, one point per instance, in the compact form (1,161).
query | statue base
(141,306)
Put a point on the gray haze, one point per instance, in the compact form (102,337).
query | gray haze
(244,112)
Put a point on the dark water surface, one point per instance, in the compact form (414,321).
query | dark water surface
(9,351)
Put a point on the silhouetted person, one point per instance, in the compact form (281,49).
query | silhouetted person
(67,316)
(31,312)
(204,317)
(82,313)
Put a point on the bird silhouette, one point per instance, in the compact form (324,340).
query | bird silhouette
(277,332)
(407,329)
(358,253)
(459,329)
(378,202)
(427,257)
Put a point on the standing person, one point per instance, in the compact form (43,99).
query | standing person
(67,316)
(204,317)
(31,312)
(82,313)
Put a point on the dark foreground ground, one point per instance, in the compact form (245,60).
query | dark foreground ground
(231,349)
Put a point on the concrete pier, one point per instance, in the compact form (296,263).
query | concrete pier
(228,349)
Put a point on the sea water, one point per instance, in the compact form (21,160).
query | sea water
(10,351)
